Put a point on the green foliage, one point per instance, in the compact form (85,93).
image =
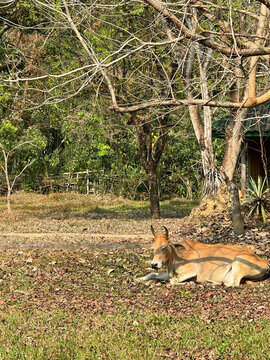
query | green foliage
(27,142)
(107,150)
(21,147)
(258,198)
(86,145)
(180,169)
(8,136)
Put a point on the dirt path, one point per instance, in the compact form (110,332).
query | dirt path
(64,240)
(72,234)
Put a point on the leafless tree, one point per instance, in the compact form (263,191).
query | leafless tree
(7,154)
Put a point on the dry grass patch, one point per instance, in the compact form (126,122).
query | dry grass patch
(32,203)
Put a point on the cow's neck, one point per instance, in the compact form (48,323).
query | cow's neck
(172,260)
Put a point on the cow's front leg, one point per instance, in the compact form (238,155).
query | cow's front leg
(174,281)
(154,276)
(180,278)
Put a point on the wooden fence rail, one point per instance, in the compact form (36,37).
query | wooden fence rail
(82,182)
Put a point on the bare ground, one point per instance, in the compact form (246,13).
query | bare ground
(73,231)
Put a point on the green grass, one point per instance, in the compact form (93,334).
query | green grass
(57,335)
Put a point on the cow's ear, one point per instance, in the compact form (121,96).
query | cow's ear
(178,246)
(153,231)
(166,232)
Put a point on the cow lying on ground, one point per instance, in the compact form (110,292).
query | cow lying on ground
(218,263)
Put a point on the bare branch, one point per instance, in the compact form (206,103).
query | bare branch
(30,162)
(226,104)
(101,64)
(6,3)
(203,4)
(228,51)
(56,76)
(254,60)
(91,54)
(20,145)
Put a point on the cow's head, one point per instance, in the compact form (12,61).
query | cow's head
(162,249)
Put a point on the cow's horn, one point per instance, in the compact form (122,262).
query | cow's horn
(166,231)
(153,231)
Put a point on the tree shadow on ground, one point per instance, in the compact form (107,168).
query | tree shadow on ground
(67,206)
(169,209)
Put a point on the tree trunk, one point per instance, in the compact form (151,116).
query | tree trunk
(203,128)
(233,138)
(150,155)
(9,188)
(213,180)
(154,195)
(237,218)
(9,201)
(243,164)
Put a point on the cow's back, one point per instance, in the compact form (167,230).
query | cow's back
(213,262)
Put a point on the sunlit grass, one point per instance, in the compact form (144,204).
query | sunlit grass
(42,335)
(31,203)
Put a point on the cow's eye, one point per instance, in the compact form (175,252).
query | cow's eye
(163,248)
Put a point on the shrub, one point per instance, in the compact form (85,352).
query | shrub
(258,198)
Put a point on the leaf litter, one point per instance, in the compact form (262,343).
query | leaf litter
(89,265)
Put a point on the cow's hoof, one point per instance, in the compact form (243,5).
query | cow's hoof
(174,281)
(143,279)
(140,279)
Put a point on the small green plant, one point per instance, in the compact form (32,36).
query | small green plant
(258,197)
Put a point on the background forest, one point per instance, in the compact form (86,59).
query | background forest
(78,132)
(129,91)
(97,141)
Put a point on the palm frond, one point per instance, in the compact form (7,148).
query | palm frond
(258,197)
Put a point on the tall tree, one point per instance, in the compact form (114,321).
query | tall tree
(150,153)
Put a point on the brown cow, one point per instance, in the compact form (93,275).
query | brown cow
(218,263)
